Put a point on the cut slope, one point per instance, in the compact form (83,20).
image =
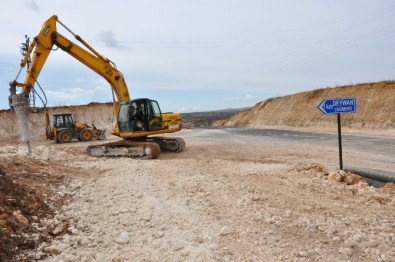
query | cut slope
(100,114)
(375,109)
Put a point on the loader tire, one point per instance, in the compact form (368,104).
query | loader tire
(65,136)
(86,135)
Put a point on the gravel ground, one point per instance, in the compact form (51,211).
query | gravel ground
(216,201)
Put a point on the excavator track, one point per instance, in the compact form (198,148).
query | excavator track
(126,148)
(169,144)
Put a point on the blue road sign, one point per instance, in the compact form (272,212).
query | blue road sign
(338,105)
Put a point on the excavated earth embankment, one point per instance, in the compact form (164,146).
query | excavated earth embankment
(99,114)
(375,109)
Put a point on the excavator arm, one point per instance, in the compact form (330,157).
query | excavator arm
(40,49)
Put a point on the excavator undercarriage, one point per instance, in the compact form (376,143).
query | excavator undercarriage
(150,148)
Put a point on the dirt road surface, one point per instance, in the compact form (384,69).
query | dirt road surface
(224,198)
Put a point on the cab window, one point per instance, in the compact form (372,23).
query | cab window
(69,120)
(123,118)
(154,116)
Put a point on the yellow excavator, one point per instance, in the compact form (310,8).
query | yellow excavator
(138,120)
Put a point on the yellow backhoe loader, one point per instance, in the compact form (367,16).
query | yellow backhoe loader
(138,121)
(64,128)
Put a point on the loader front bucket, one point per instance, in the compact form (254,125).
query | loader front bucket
(102,134)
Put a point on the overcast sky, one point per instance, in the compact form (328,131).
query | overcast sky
(207,54)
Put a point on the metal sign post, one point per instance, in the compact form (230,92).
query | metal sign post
(339,134)
(339,106)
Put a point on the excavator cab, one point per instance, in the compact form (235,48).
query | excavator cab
(140,115)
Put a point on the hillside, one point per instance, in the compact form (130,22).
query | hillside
(375,109)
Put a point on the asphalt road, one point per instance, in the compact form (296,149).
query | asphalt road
(371,156)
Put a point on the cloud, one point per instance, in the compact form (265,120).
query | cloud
(109,40)
(244,99)
(99,84)
(80,80)
(32,5)
(69,95)
(256,49)
(184,109)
